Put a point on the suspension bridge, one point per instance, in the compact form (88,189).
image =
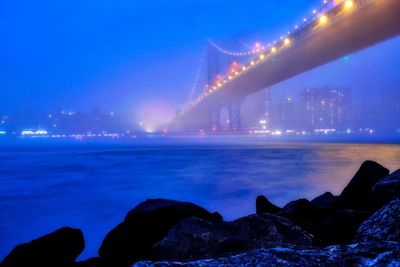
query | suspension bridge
(338,28)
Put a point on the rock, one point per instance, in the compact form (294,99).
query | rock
(383,225)
(325,201)
(92,262)
(267,229)
(340,227)
(191,238)
(194,238)
(301,212)
(357,193)
(363,254)
(216,217)
(263,205)
(386,190)
(145,225)
(59,248)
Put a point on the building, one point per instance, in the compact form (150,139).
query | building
(284,115)
(325,108)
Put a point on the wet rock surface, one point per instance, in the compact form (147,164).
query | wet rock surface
(363,254)
(386,190)
(195,238)
(383,225)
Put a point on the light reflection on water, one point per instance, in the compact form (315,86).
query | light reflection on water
(92,187)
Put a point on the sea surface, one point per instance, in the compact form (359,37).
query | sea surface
(92,185)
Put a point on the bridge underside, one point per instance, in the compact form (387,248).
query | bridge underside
(360,29)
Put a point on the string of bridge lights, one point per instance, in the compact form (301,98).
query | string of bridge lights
(198,74)
(284,41)
(254,51)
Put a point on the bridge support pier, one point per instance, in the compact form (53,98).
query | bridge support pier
(234,117)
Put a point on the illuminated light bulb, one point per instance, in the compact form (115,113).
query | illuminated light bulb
(236,73)
(273,49)
(349,4)
(262,56)
(230,77)
(323,19)
(252,63)
(243,68)
(287,41)
(314,11)
(219,84)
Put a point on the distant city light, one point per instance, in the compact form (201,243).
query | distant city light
(31,132)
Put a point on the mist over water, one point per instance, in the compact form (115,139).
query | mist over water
(92,185)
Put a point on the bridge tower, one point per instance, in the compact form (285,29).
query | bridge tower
(213,70)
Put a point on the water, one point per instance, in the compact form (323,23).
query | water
(92,186)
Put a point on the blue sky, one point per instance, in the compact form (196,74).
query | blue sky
(119,55)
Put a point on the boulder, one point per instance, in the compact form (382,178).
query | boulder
(363,254)
(59,248)
(357,194)
(383,225)
(340,227)
(263,205)
(194,238)
(145,225)
(302,213)
(386,190)
(325,201)
(92,262)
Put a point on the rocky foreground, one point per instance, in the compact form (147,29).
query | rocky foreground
(360,227)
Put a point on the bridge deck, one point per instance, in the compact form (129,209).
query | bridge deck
(364,27)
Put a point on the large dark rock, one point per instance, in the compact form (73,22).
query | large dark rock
(386,190)
(263,205)
(340,227)
(357,194)
(143,227)
(302,213)
(59,248)
(363,254)
(92,262)
(194,238)
(383,225)
(325,201)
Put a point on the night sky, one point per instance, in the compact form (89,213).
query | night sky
(123,55)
